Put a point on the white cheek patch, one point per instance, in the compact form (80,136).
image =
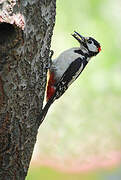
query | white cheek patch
(92,47)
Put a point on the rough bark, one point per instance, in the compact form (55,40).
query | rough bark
(25,35)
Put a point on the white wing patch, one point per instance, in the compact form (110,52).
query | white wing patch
(63,61)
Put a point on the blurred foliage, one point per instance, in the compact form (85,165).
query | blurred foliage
(50,174)
(46,173)
(86,121)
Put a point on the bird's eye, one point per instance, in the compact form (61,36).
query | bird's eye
(89,41)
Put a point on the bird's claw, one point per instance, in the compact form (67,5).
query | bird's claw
(50,59)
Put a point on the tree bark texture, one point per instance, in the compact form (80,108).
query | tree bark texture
(25,35)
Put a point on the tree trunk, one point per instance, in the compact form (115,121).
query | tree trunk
(25,35)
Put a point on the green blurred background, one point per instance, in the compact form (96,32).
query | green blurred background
(81,136)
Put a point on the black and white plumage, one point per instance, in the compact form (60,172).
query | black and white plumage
(68,66)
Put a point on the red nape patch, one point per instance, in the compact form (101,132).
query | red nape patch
(50,86)
(99,49)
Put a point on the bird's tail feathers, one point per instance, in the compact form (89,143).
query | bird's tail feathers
(45,109)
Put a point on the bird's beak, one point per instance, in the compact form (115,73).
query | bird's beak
(78,37)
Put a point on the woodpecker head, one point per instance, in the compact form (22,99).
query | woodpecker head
(90,45)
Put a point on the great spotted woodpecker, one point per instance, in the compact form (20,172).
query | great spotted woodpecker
(67,67)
